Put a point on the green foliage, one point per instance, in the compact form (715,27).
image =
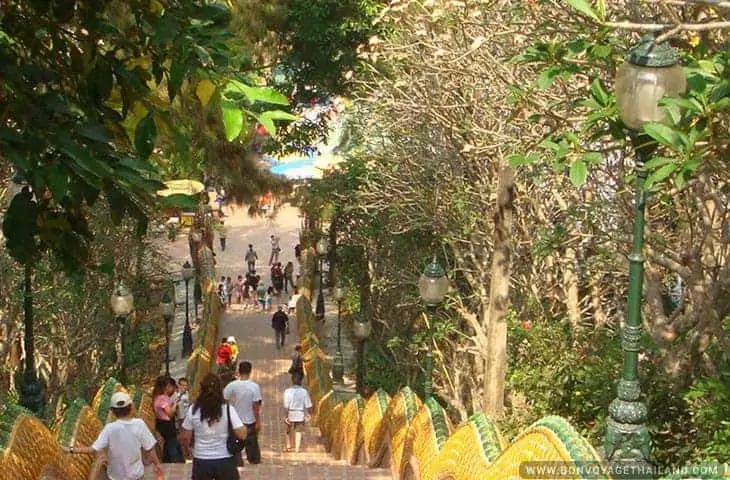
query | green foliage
(562,374)
(709,406)
(382,371)
(693,119)
(324,37)
(85,116)
(585,8)
(137,344)
(74,80)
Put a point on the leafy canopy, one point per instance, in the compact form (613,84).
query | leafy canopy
(88,88)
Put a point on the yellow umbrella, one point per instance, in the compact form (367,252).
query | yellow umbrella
(181,187)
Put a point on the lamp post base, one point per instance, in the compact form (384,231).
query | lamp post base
(187,340)
(344,393)
(30,391)
(627,445)
(629,455)
(338,368)
(319,310)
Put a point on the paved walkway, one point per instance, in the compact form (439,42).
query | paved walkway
(253,331)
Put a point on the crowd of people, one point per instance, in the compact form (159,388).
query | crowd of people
(226,409)
(249,290)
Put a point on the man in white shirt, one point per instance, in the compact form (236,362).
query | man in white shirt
(275,249)
(125,439)
(298,405)
(245,396)
(292,305)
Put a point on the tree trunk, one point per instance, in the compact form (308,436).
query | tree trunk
(496,315)
(572,293)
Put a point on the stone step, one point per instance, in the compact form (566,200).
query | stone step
(289,467)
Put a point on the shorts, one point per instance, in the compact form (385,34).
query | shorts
(293,426)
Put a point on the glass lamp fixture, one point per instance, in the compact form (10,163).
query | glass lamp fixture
(433,284)
(167,308)
(339,293)
(322,246)
(122,301)
(188,272)
(650,73)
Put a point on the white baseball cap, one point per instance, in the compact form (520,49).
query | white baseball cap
(120,400)
(231,340)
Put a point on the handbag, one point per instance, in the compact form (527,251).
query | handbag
(233,443)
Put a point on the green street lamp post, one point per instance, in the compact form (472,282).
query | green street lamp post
(362,329)
(188,272)
(31,391)
(432,287)
(30,388)
(650,73)
(122,305)
(322,248)
(338,364)
(167,309)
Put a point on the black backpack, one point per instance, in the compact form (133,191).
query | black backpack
(297,366)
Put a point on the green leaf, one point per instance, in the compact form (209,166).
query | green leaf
(145,135)
(216,13)
(666,135)
(660,174)
(232,121)
(600,51)
(88,164)
(57,180)
(547,77)
(656,162)
(592,157)
(692,164)
(203,56)
(576,47)
(585,8)
(598,93)
(101,81)
(166,29)
(578,173)
(686,103)
(95,131)
(278,115)
(516,161)
(681,179)
(178,70)
(257,94)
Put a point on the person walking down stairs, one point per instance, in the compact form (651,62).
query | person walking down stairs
(127,440)
(280,323)
(211,420)
(298,405)
(245,396)
(251,258)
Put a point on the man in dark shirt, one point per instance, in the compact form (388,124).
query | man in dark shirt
(279,322)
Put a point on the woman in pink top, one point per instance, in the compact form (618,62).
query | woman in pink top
(165,420)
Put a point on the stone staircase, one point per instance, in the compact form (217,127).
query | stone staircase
(313,463)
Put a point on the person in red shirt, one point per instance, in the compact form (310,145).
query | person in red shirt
(224,354)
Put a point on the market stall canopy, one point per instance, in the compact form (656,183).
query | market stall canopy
(181,187)
(181,194)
